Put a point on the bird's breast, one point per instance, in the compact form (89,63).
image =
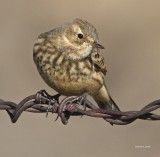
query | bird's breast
(76,77)
(70,77)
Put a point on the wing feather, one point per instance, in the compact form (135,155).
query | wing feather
(98,61)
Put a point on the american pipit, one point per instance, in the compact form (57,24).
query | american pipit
(68,59)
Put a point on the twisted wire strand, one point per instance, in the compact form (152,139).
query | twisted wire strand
(42,102)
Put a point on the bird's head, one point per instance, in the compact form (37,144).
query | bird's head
(80,38)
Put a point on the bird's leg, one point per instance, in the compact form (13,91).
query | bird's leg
(62,108)
(52,99)
(71,104)
(81,100)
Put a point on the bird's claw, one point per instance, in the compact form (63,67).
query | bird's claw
(70,105)
(50,106)
(51,99)
(81,100)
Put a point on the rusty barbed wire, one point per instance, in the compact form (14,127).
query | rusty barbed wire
(42,102)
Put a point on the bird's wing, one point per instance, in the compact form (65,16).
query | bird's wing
(98,61)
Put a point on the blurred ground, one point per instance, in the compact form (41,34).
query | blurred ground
(129,30)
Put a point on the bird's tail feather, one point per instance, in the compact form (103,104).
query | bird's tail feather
(108,105)
(104,100)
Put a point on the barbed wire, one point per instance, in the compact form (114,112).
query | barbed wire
(42,102)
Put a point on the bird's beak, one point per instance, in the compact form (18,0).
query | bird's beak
(98,46)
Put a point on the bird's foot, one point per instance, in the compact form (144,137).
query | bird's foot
(51,99)
(62,110)
(69,105)
(81,100)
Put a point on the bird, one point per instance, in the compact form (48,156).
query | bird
(69,60)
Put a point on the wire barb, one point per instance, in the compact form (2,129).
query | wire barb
(42,102)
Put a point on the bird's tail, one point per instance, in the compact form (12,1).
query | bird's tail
(105,101)
(108,105)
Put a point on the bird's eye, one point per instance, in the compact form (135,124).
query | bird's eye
(80,35)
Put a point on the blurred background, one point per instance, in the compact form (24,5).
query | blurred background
(130,32)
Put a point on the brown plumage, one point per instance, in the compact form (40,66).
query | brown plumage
(68,59)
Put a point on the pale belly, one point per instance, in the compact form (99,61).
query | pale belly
(78,87)
(73,78)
